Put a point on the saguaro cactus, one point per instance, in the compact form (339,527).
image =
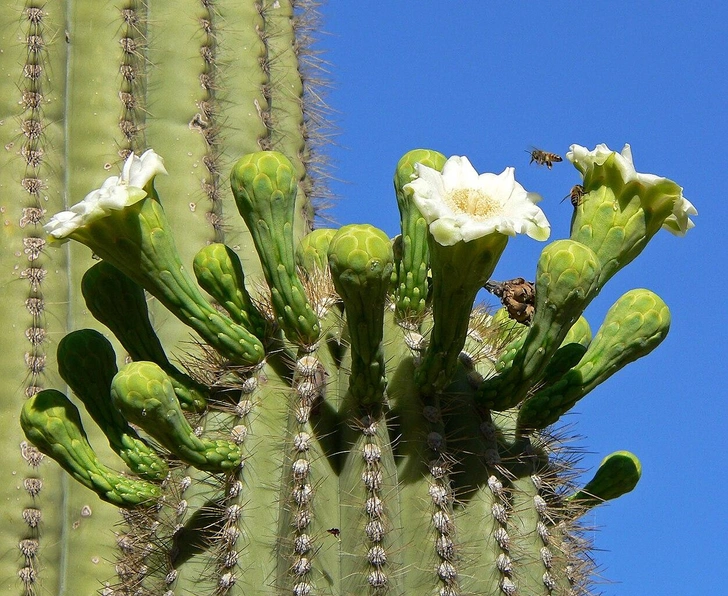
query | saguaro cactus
(346,421)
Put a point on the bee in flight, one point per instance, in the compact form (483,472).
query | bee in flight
(576,195)
(543,158)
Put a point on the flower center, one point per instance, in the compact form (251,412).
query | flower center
(473,202)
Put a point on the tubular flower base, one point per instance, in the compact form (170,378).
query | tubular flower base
(357,426)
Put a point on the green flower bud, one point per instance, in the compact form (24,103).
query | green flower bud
(87,362)
(264,185)
(144,395)
(361,262)
(52,423)
(634,326)
(312,252)
(579,333)
(220,273)
(566,281)
(120,304)
(412,284)
(618,474)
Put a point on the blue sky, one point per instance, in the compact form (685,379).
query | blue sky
(471,78)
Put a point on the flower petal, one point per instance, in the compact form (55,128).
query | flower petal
(679,223)
(458,172)
(138,171)
(61,224)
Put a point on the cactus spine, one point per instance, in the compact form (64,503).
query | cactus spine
(349,427)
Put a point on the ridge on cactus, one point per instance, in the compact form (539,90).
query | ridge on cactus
(366,429)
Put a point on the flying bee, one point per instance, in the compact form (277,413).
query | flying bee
(576,195)
(543,158)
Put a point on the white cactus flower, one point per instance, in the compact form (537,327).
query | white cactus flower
(461,205)
(587,162)
(115,193)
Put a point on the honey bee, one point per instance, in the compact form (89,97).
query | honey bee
(576,195)
(543,158)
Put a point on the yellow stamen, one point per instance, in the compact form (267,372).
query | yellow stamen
(473,202)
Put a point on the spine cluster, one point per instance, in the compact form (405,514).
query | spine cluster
(33,90)
(308,389)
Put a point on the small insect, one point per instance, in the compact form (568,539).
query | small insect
(543,158)
(334,532)
(576,195)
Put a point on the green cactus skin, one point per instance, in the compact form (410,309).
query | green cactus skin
(634,326)
(218,271)
(120,304)
(361,260)
(143,394)
(265,188)
(566,281)
(385,445)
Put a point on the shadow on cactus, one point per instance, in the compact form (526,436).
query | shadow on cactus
(358,426)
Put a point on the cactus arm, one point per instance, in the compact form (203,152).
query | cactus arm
(480,509)
(538,536)
(360,259)
(37,172)
(412,458)
(370,504)
(91,122)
